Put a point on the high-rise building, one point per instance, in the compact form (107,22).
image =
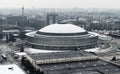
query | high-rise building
(51,18)
(23,13)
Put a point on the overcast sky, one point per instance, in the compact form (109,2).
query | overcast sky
(60,3)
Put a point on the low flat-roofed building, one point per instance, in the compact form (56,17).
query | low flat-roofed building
(115,35)
(59,57)
(11,69)
(81,67)
(77,62)
(8,32)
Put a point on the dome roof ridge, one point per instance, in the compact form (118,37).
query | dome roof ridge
(62,28)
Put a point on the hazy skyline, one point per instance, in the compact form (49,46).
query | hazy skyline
(60,3)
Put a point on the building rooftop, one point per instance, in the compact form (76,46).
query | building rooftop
(88,66)
(11,69)
(43,56)
(9,31)
(81,67)
(62,28)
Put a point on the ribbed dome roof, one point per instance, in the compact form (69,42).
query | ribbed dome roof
(62,28)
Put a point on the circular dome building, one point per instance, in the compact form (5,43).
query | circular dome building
(62,37)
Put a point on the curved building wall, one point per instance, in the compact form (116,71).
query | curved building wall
(62,42)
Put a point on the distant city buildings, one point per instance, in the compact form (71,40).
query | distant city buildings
(51,18)
(15,19)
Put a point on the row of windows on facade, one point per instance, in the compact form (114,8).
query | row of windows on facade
(63,47)
(63,41)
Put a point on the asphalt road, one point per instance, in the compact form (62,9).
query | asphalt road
(113,51)
(6,50)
